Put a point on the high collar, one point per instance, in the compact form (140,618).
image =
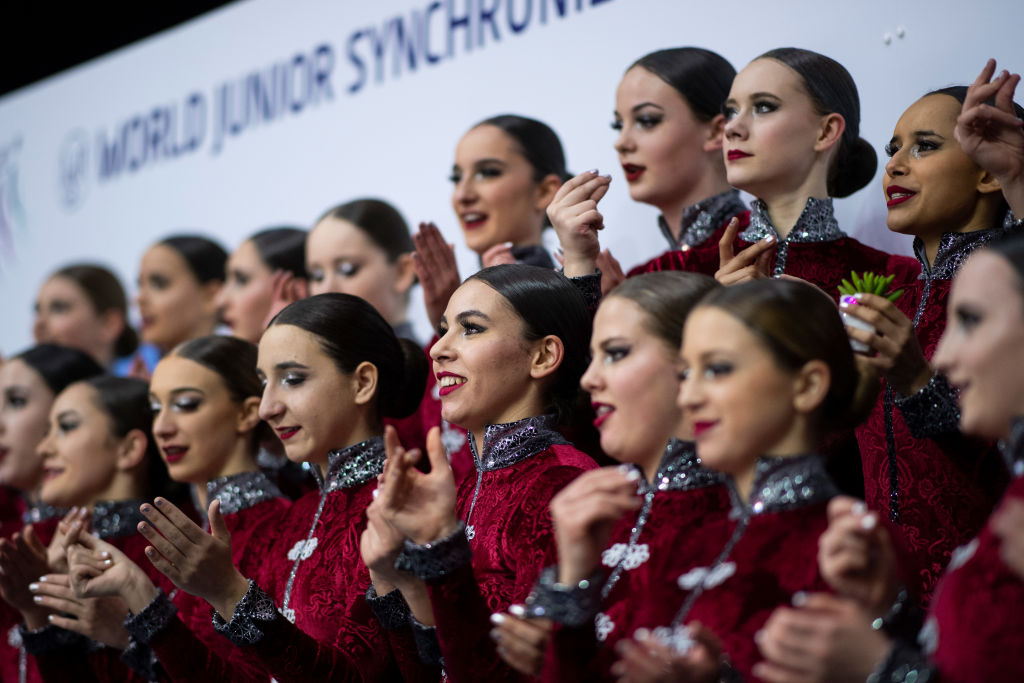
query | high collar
(817,223)
(404,330)
(40,512)
(116,518)
(237,492)
(512,442)
(533,255)
(681,470)
(700,220)
(787,483)
(955,247)
(1012,449)
(354,465)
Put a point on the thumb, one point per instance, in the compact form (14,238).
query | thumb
(218,528)
(436,452)
(821,602)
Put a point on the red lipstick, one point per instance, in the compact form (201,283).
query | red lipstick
(734,154)
(633,172)
(904,195)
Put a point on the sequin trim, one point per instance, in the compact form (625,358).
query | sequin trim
(354,465)
(428,647)
(904,663)
(955,247)
(40,512)
(932,411)
(151,619)
(255,609)
(702,219)
(590,287)
(114,519)
(1012,449)
(49,639)
(237,492)
(391,609)
(817,223)
(572,605)
(437,559)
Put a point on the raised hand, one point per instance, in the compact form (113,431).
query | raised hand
(197,562)
(420,506)
(436,270)
(22,562)
(521,642)
(827,638)
(99,569)
(576,220)
(498,255)
(856,557)
(583,514)
(749,264)
(101,619)
(648,660)
(68,529)
(898,355)
(379,546)
(992,135)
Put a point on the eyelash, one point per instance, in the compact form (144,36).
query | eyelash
(241,279)
(760,107)
(643,122)
(293,379)
(613,354)
(968,321)
(717,369)
(481,174)
(15,401)
(66,426)
(915,150)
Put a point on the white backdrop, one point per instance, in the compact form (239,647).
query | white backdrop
(380,93)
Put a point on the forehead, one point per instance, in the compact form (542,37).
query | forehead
(288,343)
(988,278)
(17,372)
(479,296)
(246,255)
(58,286)
(619,317)
(79,397)
(767,75)
(711,329)
(163,258)
(174,372)
(932,112)
(486,141)
(640,85)
(333,237)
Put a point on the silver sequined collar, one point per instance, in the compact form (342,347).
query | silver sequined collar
(511,443)
(116,518)
(237,492)
(955,247)
(1012,449)
(788,483)
(817,223)
(681,470)
(700,220)
(354,465)
(40,512)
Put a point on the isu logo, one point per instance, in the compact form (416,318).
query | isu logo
(73,171)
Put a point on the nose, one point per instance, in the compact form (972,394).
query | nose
(45,448)
(221,300)
(271,407)
(591,379)
(945,352)
(39,328)
(442,349)
(163,425)
(896,166)
(690,394)
(736,126)
(624,142)
(464,191)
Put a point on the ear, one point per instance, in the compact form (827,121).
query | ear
(132,450)
(831,132)
(546,356)
(546,190)
(298,289)
(209,292)
(405,274)
(811,386)
(248,415)
(988,184)
(364,382)
(715,134)
(111,324)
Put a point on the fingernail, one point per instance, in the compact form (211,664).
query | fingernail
(858,295)
(641,634)
(495,635)
(858,508)
(42,579)
(868,522)
(33,587)
(108,562)
(143,526)
(625,469)
(608,176)
(633,475)
(146,509)
(769,239)
(509,245)
(149,552)
(37,598)
(497,618)
(847,300)
(376,492)
(593,170)
(517,611)
(51,617)
(799,599)
(104,554)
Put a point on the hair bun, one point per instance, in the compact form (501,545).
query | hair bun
(405,395)
(854,169)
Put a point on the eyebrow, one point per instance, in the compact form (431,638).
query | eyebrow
(66,413)
(612,340)
(472,313)
(182,390)
(927,133)
(290,365)
(645,104)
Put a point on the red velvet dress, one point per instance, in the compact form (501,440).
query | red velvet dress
(306,616)
(695,247)
(15,664)
(744,564)
(681,499)
(251,504)
(508,539)
(815,250)
(935,484)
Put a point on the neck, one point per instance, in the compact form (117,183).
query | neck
(786,204)
(124,487)
(744,481)
(202,497)
(241,460)
(649,464)
(709,185)
(983,219)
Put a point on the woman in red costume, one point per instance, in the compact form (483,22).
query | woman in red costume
(935,484)
(781,339)
(508,362)
(611,522)
(333,369)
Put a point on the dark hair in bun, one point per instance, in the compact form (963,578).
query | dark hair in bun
(205,258)
(831,88)
(702,77)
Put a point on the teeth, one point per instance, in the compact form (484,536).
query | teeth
(471,217)
(603,410)
(450,381)
(900,195)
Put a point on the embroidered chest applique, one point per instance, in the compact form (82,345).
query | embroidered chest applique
(630,556)
(603,626)
(706,577)
(303,549)
(962,554)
